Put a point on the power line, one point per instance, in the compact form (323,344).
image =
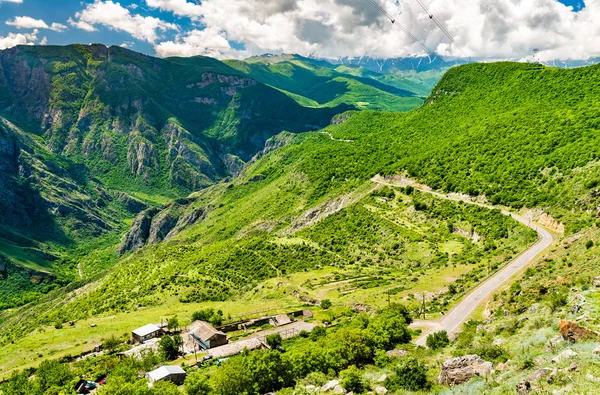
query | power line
(404,29)
(440,25)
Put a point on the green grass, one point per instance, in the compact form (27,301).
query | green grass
(23,257)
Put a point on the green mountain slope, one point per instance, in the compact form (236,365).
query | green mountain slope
(305,222)
(141,123)
(92,135)
(319,83)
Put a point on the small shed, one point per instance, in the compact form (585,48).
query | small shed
(174,374)
(146,332)
(206,336)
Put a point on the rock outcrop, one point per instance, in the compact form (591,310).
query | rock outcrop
(138,233)
(462,369)
(130,203)
(161,225)
(155,225)
(573,332)
(550,223)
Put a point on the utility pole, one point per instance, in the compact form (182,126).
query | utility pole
(423,305)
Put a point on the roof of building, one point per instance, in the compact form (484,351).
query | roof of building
(282,319)
(206,331)
(165,371)
(146,330)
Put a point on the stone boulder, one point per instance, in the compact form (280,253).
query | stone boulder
(523,387)
(567,354)
(330,385)
(597,350)
(539,374)
(379,390)
(459,370)
(573,332)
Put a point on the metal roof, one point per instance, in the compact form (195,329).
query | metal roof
(165,371)
(146,330)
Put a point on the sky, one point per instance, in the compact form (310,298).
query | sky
(482,29)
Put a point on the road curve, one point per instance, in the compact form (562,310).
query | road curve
(456,317)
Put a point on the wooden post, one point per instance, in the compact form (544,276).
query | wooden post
(423,305)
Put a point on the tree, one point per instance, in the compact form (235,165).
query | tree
(197,384)
(52,373)
(351,380)
(410,375)
(173,323)
(208,315)
(317,333)
(274,341)
(169,349)
(326,304)
(438,340)
(111,344)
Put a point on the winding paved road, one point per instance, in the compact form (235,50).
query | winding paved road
(456,317)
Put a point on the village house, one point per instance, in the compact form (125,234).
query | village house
(174,374)
(205,336)
(146,332)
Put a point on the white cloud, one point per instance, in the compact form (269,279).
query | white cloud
(205,42)
(81,25)
(178,7)
(11,1)
(116,17)
(14,39)
(333,28)
(26,22)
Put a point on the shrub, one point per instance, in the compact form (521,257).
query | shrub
(351,380)
(326,304)
(317,333)
(197,384)
(111,344)
(318,379)
(589,244)
(274,340)
(438,340)
(490,352)
(381,359)
(409,375)
(558,300)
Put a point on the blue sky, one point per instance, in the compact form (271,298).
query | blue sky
(329,28)
(576,4)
